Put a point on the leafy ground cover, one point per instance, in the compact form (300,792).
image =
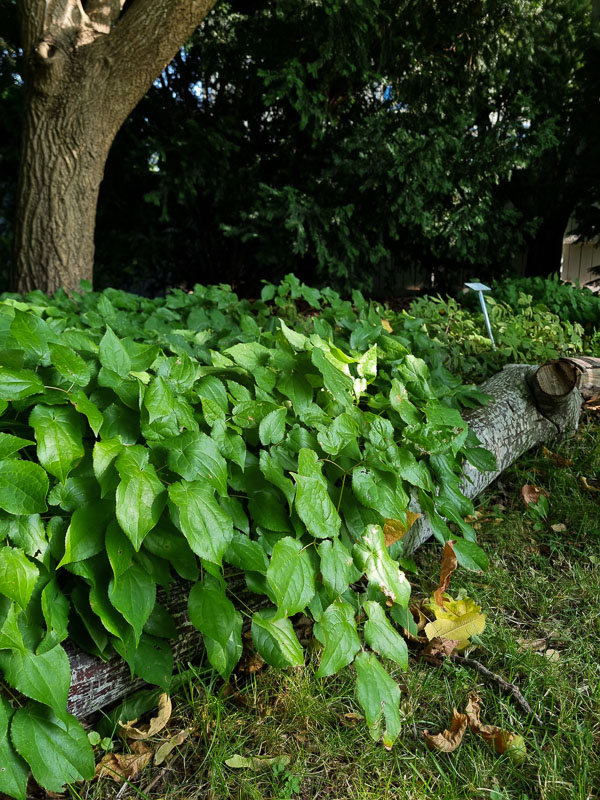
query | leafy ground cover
(143,440)
(287,735)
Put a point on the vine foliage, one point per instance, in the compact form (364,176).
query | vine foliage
(146,441)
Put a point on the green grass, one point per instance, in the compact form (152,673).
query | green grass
(542,584)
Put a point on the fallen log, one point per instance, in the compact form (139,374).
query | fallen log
(528,405)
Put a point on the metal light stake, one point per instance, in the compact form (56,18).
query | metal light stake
(480,288)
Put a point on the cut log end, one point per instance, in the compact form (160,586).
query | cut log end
(557,378)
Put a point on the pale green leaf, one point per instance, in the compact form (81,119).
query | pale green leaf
(18,575)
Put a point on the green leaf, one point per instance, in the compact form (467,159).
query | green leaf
(26,532)
(55,608)
(58,433)
(32,333)
(84,406)
(470,556)
(337,631)
(207,528)
(74,493)
(165,541)
(10,444)
(113,355)
(249,355)
(158,399)
(276,641)
(23,487)
(195,456)
(249,413)
(380,491)
(215,616)
(45,677)
(400,402)
(379,696)
(411,470)
(85,534)
(297,340)
(134,596)
(367,364)
(57,749)
(14,772)
(18,575)
(246,554)
(291,576)
(481,459)
(382,637)
(371,556)
(440,415)
(272,427)
(271,468)
(70,365)
(141,496)
(313,504)
(336,566)
(10,633)
(104,456)
(16,384)
(118,549)
(335,376)
(153,661)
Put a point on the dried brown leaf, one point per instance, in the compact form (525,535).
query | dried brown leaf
(167,747)
(560,527)
(552,655)
(532,644)
(449,565)
(531,493)
(498,738)
(559,461)
(393,529)
(156,724)
(448,740)
(120,767)
(438,649)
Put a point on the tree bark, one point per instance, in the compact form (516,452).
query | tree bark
(508,426)
(86,68)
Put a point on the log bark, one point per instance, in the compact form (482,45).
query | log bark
(87,65)
(519,416)
(509,425)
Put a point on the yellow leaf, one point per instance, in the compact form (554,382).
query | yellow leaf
(393,529)
(386,325)
(459,629)
(454,609)
(448,740)
(156,724)
(167,747)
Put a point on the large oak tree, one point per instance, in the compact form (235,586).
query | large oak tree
(87,63)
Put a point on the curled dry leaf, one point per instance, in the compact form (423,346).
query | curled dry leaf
(559,461)
(590,484)
(156,724)
(448,740)
(167,747)
(438,649)
(393,529)
(532,644)
(502,741)
(560,527)
(121,766)
(531,493)
(449,565)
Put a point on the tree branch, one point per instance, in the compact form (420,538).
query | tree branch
(104,14)
(145,39)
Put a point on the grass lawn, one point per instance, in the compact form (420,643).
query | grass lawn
(542,599)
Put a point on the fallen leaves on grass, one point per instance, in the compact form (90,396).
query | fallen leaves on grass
(532,494)
(156,724)
(447,741)
(124,766)
(166,748)
(256,763)
(438,649)
(449,565)
(589,484)
(501,740)
(457,620)
(559,461)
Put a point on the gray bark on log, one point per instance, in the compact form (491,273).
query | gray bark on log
(517,418)
(510,424)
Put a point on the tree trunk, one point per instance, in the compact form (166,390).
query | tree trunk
(508,426)
(64,150)
(87,65)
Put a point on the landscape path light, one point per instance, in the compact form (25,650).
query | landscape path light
(480,288)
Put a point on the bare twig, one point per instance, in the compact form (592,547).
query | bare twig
(505,686)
